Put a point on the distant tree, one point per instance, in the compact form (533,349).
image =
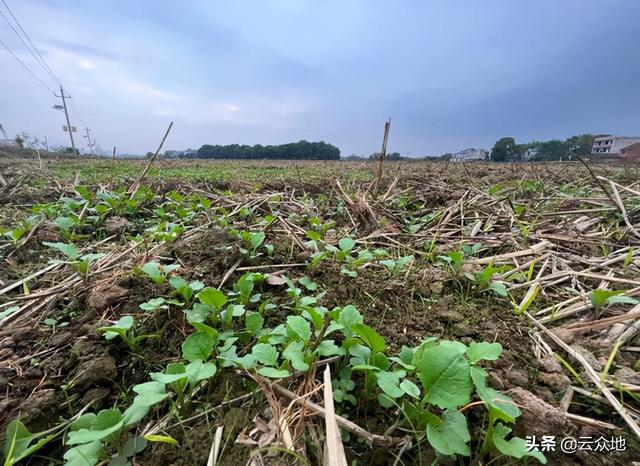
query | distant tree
(552,150)
(302,150)
(580,145)
(504,149)
(148,155)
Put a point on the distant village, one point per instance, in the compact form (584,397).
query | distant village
(600,147)
(505,150)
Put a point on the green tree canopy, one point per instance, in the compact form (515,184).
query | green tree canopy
(504,149)
(302,150)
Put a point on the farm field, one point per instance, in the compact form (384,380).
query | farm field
(197,314)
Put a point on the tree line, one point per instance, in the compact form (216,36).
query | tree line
(506,149)
(302,150)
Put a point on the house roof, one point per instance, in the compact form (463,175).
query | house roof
(632,151)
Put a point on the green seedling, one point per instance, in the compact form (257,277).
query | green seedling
(484,280)
(243,288)
(65,226)
(92,435)
(124,329)
(183,377)
(209,306)
(471,249)
(600,298)
(156,272)
(7,312)
(395,267)
(185,289)
(156,304)
(166,232)
(20,443)
(81,263)
(343,387)
(16,234)
(454,260)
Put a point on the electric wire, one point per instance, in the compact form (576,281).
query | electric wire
(36,55)
(26,67)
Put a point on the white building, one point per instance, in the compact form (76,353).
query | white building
(174,154)
(531,153)
(611,145)
(468,155)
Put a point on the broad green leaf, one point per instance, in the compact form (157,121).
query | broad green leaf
(254,322)
(515,447)
(619,299)
(348,317)
(600,297)
(329,348)
(196,285)
(197,371)
(198,346)
(389,383)
(410,388)
(308,283)
(199,313)
(265,354)
(293,353)
(177,283)
(406,355)
(373,340)
(166,378)
(501,405)
(273,373)
(483,350)
(69,250)
(152,269)
(204,328)
(451,436)
(84,455)
(134,445)
(64,223)
(213,297)
(256,239)
(346,244)
(154,304)
(361,354)
(17,441)
(135,413)
(499,288)
(149,393)
(300,327)
(107,422)
(444,373)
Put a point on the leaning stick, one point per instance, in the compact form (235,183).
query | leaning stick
(136,184)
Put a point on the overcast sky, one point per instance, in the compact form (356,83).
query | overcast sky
(450,74)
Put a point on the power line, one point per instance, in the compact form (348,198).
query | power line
(25,66)
(39,58)
(77,112)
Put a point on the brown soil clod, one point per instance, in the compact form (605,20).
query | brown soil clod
(102,297)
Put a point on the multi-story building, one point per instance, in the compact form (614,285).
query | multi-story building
(468,155)
(611,145)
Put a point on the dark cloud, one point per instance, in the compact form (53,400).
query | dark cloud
(449,74)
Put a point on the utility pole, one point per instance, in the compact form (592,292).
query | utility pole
(66,114)
(89,140)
